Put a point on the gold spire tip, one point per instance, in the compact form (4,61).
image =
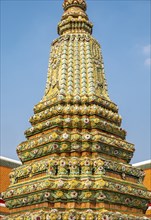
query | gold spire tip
(78,3)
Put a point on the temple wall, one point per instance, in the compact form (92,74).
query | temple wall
(146,166)
(6,165)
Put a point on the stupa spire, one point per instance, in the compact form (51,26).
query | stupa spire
(74,19)
(76,68)
(76,157)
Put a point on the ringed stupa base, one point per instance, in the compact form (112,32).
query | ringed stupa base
(75,214)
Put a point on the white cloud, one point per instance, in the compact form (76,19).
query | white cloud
(147,49)
(148,62)
(147,53)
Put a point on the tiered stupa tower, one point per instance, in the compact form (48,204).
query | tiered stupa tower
(76,159)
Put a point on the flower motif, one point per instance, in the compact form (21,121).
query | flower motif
(87,163)
(31,129)
(116,152)
(100,168)
(128,200)
(73,183)
(57,120)
(59,108)
(97,137)
(72,217)
(86,120)
(83,217)
(87,194)
(64,146)
(88,183)
(118,186)
(11,192)
(34,187)
(54,135)
(55,163)
(67,120)
(75,137)
(47,123)
(97,147)
(74,194)
(123,176)
(96,120)
(105,217)
(60,183)
(47,194)
(59,194)
(65,136)
(62,163)
(39,126)
(101,196)
(55,216)
(76,120)
(140,192)
(55,146)
(87,136)
(35,151)
(74,167)
(75,147)
(85,146)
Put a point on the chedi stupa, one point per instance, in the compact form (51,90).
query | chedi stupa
(76,159)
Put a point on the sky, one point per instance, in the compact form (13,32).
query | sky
(122,27)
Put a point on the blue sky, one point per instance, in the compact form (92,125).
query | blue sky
(123,30)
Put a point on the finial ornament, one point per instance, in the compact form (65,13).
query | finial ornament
(77,3)
(74,18)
